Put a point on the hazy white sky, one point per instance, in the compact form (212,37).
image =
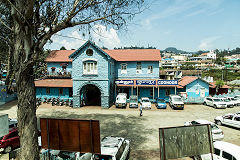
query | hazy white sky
(189,25)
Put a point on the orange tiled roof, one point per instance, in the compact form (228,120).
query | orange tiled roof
(213,85)
(117,54)
(134,54)
(186,80)
(59,56)
(204,54)
(54,83)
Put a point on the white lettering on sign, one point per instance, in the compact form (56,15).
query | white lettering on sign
(167,82)
(146,82)
(124,82)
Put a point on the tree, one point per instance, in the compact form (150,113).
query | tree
(33,24)
(63,48)
(219,84)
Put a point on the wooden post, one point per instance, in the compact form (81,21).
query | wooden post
(137,90)
(153,92)
(132,91)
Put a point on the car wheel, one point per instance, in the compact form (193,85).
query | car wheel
(204,103)
(7,149)
(215,106)
(219,123)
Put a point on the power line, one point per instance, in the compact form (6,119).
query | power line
(69,37)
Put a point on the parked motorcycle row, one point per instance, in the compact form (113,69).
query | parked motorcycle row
(55,101)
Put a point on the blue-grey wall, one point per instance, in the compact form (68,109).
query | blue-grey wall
(131,70)
(103,79)
(54,92)
(193,90)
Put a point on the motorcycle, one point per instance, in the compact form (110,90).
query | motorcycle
(71,103)
(61,103)
(53,101)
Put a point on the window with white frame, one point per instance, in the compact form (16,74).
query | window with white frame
(139,67)
(123,68)
(150,69)
(90,67)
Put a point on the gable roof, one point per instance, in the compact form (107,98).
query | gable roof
(116,54)
(135,54)
(54,83)
(213,85)
(59,56)
(189,79)
(88,43)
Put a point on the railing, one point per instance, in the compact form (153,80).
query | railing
(58,75)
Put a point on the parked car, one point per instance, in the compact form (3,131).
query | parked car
(214,102)
(237,96)
(161,103)
(234,100)
(217,133)
(230,119)
(10,141)
(145,103)
(12,122)
(223,151)
(229,103)
(176,102)
(121,100)
(133,101)
(113,148)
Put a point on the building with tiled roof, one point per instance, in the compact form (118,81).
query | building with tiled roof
(94,76)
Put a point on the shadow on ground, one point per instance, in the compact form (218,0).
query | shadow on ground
(8,105)
(129,127)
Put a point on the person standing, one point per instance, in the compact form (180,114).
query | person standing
(141,110)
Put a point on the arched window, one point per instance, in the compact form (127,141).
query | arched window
(90,67)
(89,52)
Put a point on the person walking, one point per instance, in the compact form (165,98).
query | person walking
(141,110)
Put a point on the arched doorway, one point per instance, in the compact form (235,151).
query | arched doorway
(91,95)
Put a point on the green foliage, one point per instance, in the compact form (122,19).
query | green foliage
(218,74)
(63,48)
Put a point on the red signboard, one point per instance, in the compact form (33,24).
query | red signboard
(71,135)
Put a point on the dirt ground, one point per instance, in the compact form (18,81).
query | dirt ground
(142,131)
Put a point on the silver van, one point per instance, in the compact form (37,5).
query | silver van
(133,101)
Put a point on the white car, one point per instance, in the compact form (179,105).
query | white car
(145,103)
(223,151)
(217,133)
(230,119)
(215,102)
(113,148)
(237,97)
(176,102)
(121,100)
(234,100)
(229,103)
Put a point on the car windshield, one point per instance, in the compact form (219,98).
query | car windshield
(161,101)
(133,100)
(145,100)
(214,127)
(226,100)
(216,100)
(103,157)
(177,99)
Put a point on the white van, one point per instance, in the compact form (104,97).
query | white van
(223,151)
(121,100)
(113,148)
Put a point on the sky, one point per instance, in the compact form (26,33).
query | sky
(189,25)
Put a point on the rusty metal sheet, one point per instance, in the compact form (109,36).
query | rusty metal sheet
(71,135)
(184,141)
